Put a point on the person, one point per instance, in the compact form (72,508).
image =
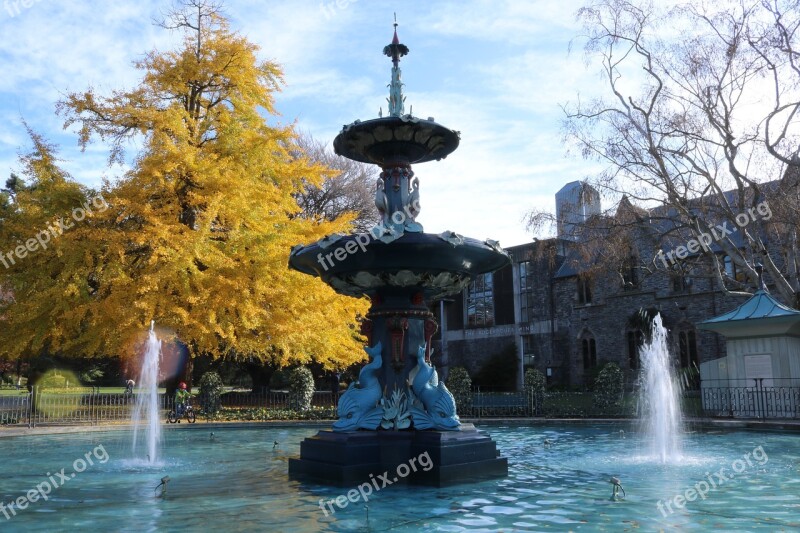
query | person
(181,398)
(129,386)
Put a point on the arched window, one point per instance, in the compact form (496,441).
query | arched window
(635,341)
(584,290)
(687,348)
(588,350)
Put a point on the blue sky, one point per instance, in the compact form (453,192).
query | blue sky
(497,71)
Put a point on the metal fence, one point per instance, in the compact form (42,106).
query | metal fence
(90,407)
(272,399)
(552,404)
(86,407)
(761,398)
(765,398)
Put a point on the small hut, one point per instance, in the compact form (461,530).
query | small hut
(760,375)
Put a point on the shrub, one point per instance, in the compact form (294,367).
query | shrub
(52,381)
(301,388)
(608,389)
(460,386)
(210,391)
(535,387)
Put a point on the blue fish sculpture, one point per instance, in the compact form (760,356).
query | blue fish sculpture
(439,404)
(358,405)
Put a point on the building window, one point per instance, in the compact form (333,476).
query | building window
(679,276)
(681,283)
(687,348)
(528,351)
(635,341)
(732,271)
(584,290)
(527,310)
(589,350)
(480,302)
(630,277)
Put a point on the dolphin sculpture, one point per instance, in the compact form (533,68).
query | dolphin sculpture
(357,406)
(439,404)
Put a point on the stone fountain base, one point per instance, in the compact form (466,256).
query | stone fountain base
(347,459)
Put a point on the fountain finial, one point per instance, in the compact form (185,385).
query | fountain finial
(396,50)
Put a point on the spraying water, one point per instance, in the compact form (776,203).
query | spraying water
(659,397)
(146,412)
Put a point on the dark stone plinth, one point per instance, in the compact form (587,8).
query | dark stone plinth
(348,459)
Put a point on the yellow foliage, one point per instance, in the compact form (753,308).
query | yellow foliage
(196,236)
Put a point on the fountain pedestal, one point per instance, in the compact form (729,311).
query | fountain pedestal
(433,458)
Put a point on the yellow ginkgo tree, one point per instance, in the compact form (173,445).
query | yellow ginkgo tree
(196,236)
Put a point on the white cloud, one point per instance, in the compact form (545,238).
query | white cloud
(496,71)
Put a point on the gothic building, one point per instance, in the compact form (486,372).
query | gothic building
(553,316)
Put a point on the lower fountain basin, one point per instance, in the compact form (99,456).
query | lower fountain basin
(450,457)
(359,264)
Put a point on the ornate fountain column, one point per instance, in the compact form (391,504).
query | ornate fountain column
(398,408)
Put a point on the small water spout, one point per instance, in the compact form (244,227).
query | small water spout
(163,485)
(146,413)
(660,397)
(617,486)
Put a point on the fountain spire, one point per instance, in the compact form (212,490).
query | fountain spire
(396,50)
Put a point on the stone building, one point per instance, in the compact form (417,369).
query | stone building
(567,323)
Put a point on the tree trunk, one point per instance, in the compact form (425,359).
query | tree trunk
(260,374)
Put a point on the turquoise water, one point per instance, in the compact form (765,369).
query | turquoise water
(238,482)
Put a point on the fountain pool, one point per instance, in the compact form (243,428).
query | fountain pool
(237,482)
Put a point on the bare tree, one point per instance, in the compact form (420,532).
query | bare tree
(350,189)
(699,125)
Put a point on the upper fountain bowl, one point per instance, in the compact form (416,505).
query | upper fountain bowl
(395,140)
(437,265)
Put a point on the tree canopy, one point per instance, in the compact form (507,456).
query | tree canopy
(196,235)
(698,114)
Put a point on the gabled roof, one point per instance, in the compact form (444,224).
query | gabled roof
(761,305)
(760,315)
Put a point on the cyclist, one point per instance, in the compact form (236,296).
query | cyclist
(181,398)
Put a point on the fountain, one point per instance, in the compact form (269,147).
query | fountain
(660,397)
(146,412)
(399,408)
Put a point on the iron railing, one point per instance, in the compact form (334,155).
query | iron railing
(81,407)
(759,398)
(765,398)
(272,399)
(89,406)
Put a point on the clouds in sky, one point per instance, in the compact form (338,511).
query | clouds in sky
(494,70)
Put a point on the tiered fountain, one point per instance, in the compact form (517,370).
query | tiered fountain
(398,409)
